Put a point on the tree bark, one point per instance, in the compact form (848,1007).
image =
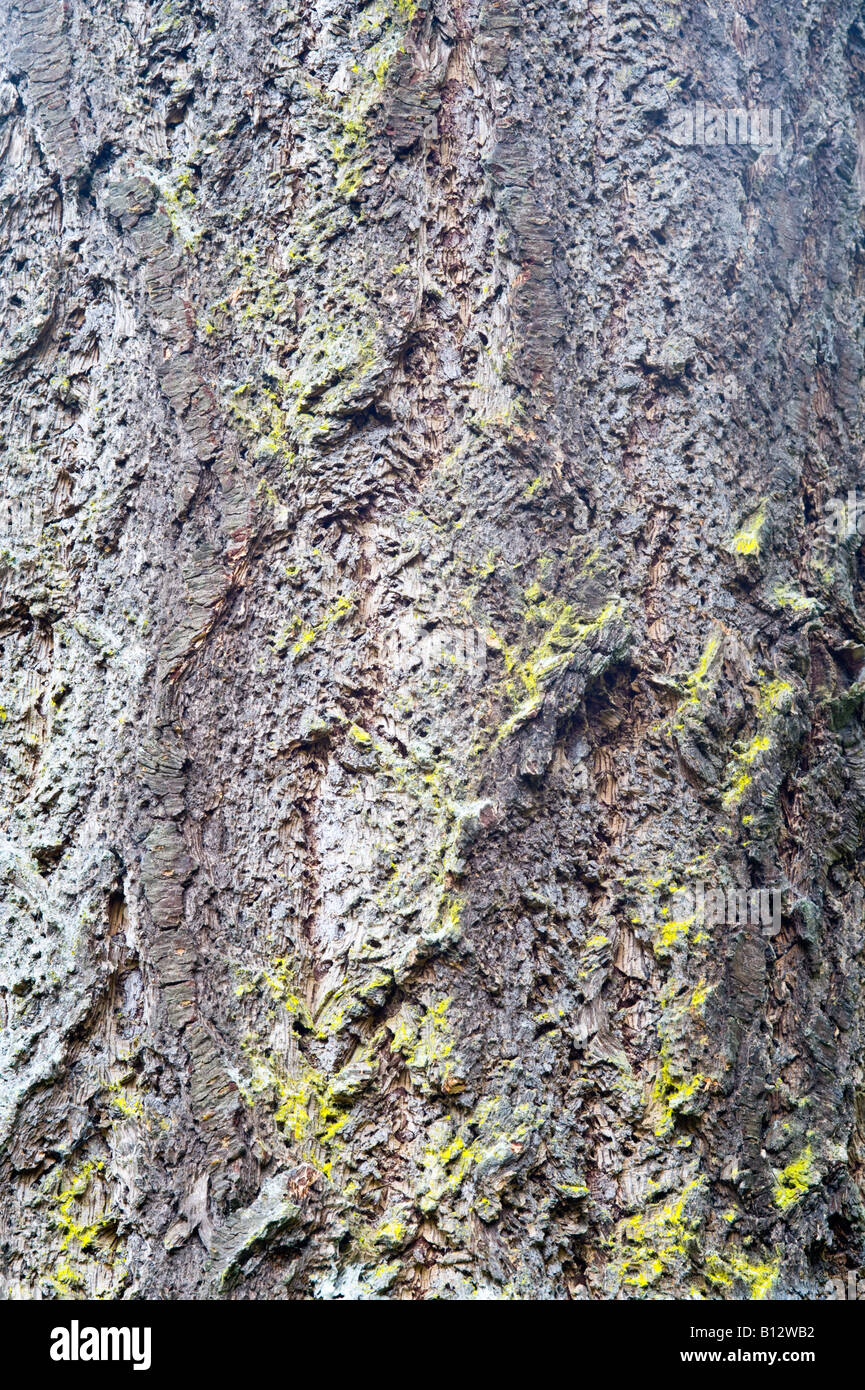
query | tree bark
(431,578)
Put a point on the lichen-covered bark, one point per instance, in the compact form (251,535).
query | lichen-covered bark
(414,564)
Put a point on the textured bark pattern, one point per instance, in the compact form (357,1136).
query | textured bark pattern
(331,333)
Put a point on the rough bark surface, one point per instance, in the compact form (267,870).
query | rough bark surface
(415,468)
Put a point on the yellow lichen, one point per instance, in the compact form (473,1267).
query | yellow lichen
(566,632)
(723,1270)
(793,1182)
(670,1094)
(747,539)
(655,1242)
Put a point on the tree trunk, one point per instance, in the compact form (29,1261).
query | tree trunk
(432,605)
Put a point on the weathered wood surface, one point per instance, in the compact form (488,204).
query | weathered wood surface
(419,560)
